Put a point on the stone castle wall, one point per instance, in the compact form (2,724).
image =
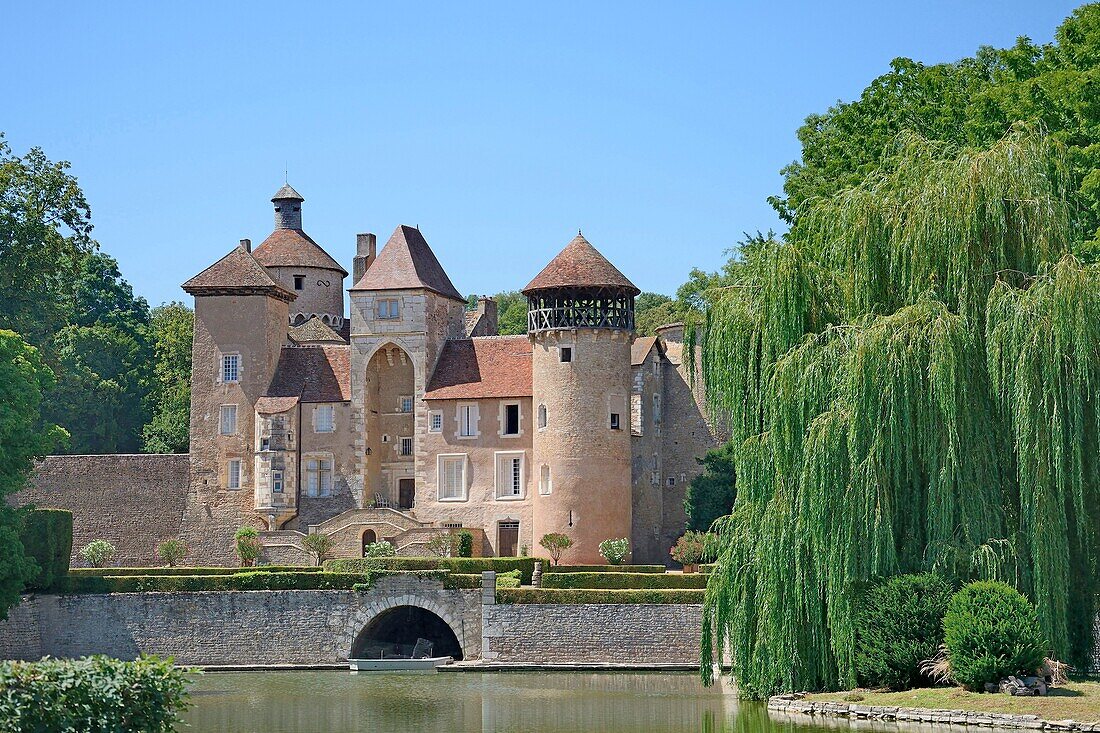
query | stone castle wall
(134,501)
(592,633)
(20,634)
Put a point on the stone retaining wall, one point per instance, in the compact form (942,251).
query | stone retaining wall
(134,501)
(592,633)
(794,704)
(20,635)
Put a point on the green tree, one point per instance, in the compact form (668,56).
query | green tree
(711,493)
(24,378)
(511,313)
(169,398)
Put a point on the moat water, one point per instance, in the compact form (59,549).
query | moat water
(464,702)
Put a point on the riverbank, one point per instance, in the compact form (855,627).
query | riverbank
(1072,707)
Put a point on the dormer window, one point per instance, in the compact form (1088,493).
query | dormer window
(299,282)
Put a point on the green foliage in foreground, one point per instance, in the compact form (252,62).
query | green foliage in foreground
(509,579)
(93,694)
(457,565)
(247,580)
(991,631)
(710,494)
(603,569)
(611,581)
(591,595)
(47,538)
(98,572)
(899,624)
(912,386)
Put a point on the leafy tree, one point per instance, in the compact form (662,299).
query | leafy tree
(319,544)
(172,551)
(169,398)
(556,543)
(98,553)
(711,493)
(24,378)
(446,544)
(247,545)
(511,313)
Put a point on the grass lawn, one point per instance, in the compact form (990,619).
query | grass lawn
(1078,701)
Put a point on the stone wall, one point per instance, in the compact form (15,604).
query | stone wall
(592,633)
(20,636)
(134,501)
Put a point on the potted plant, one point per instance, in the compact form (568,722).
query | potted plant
(689,550)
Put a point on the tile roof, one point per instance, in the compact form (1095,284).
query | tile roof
(580,265)
(275,405)
(313,373)
(236,272)
(294,248)
(407,263)
(286,192)
(641,347)
(314,331)
(484,366)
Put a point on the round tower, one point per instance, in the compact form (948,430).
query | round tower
(300,265)
(580,319)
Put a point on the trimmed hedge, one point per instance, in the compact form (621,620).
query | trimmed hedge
(590,595)
(83,572)
(609,581)
(93,694)
(47,536)
(547,568)
(238,581)
(457,565)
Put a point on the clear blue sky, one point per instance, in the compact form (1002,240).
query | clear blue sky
(659,128)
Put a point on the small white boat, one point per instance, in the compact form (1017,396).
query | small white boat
(397,664)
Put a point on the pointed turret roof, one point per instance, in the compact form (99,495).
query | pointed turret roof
(286,192)
(407,263)
(294,248)
(236,273)
(580,265)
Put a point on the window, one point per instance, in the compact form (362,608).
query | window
(405,446)
(228,420)
(435,421)
(616,406)
(467,420)
(299,282)
(615,421)
(406,404)
(671,480)
(565,354)
(324,418)
(265,444)
(509,475)
(452,525)
(544,480)
(452,477)
(509,419)
(318,476)
(542,417)
(231,367)
(656,368)
(276,482)
(388,309)
(656,408)
(233,474)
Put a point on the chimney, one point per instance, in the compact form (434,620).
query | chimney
(246,245)
(487,308)
(365,252)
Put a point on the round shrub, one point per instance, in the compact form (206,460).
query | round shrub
(991,631)
(616,550)
(899,624)
(382,548)
(98,553)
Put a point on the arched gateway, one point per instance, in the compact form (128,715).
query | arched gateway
(399,630)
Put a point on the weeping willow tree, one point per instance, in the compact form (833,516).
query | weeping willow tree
(911,381)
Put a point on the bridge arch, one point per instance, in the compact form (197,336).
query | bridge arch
(382,612)
(399,630)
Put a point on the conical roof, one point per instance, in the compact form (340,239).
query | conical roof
(294,248)
(237,272)
(580,265)
(407,263)
(286,192)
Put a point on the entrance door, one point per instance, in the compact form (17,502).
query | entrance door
(507,538)
(406,491)
(369,538)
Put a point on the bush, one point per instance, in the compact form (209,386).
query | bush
(589,595)
(991,631)
(319,544)
(605,569)
(47,537)
(465,543)
(615,551)
(556,543)
(99,572)
(245,580)
(172,551)
(247,545)
(509,579)
(899,624)
(382,548)
(623,580)
(711,493)
(95,693)
(445,544)
(457,565)
(98,553)
(691,548)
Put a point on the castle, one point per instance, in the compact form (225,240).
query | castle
(410,417)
